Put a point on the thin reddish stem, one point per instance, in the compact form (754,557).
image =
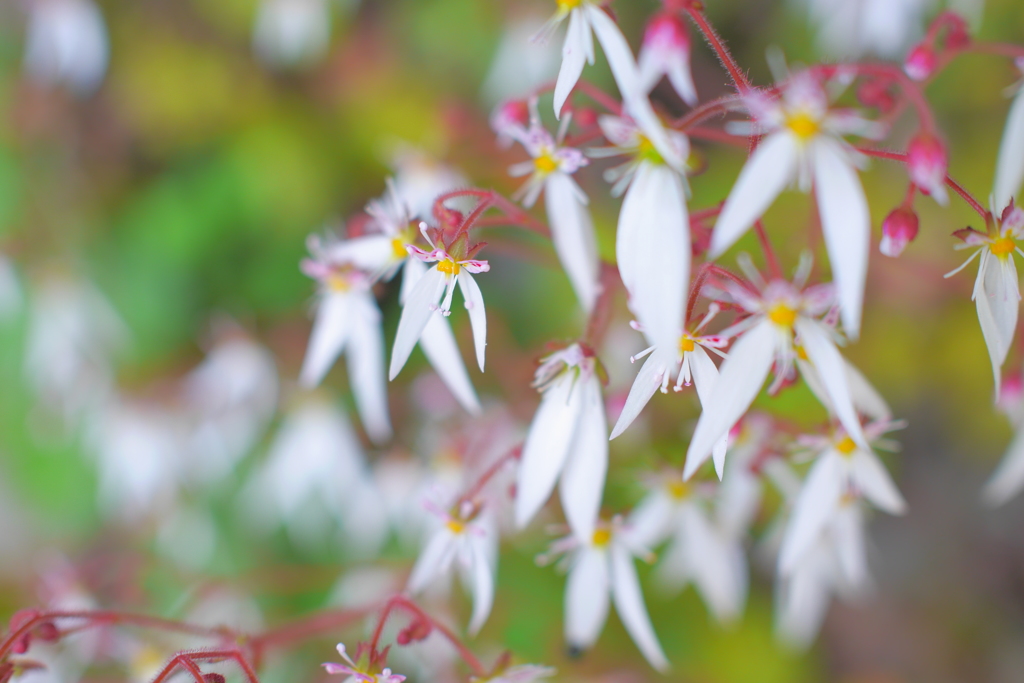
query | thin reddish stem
(599,96)
(739,79)
(719,136)
(705,111)
(698,284)
(722,272)
(400,601)
(184,662)
(1002,49)
(488,474)
(305,628)
(597,323)
(894,73)
(769,252)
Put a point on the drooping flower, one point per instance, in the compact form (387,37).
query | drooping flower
(567,441)
(348,320)
(666,52)
(572,230)
(804,143)
(1010,162)
(841,467)
(996,289)
(466,537)
(67,43)
(600,567)
(699,549)
(783,324)
(367,670)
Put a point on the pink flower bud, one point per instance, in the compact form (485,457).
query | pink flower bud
(510,120)
(667,32)
(928,164)
(875,93)
(921,62)
(898,229)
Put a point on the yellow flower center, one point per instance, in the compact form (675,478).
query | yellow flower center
(449,267)
(337,282)
(846,446)
(545,164)
(1003,246)
(601,537)
(678,489)
(568,5)
(803,125)
(685,344)
(455,526)
(398,248)
(646,151)
(782,315)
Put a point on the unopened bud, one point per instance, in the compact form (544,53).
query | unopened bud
(585,117)
(48,632)
(921,62)
(928,163)
(957,34)
(666,51)
(876,94)
(898,230)
(214,678)
(415,632)
(667,31)
(19,619)
(510,113)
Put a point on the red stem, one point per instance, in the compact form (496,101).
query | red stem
(599,318)
(698,284)
(489,473)
(894,73)
(769,252)
(705,111)
(739,79)
(400,601)
(1003,49)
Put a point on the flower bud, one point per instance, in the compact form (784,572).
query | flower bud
(875,93)
(927,158)
(957,34)
(510,120)
(665,51)
(214,678)
(667,32)
(19,619)
(921,62)
(898,229)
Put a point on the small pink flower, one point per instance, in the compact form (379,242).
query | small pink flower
(928,163)
(898,230)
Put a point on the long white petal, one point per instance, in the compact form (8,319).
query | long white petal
(651,521)
(331,330)
(804,601)
(582,482)
(416,313)
(477,314)
(832,371)
(573,58)
(1008,478)
(705,376)
(366,368)
(815,506)
(873,480)
(998,302)
(646,383)
(547,446)
(1010,164)
(586,597)
(866,398)
(572,232)
(483,582)
(715,572)
(846,224)
(434,559)
(438,344)
(629,603)
(766,173)
(741,377)
(637,211)
(369,252)
(848,530)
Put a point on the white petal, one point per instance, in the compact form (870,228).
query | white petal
(573,58)
(438,344)
(547,446)
(646,383)
(629,603)
(433,561)
(846,224)
(582,482)
(866,398)
(366,368)
(998,301)
(705,376)
(586,597)
(369,253)
(637,211)
(477,314)
(741,377)
(804,602)
(873,480)
(682,80)
(849,539)
(1008,478)
(572,232)
(483,582)
(1010,165)
(832,371)
(651,521)
(331,330)
(416,313)
(770,169)
(815,506)
(719,568)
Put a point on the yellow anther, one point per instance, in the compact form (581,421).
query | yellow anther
(782,315)
(679,489)
(803,125)
(398,248)
(455,526)
(646,151)
(1003,246)
(801,353)
(846,446)
(567,5)
(601,537)
(449,267)
(337,282)
(545,164)
(685,344)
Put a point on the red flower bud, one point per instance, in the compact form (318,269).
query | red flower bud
(921,62)
(927,157)
(876,94)
(898,230)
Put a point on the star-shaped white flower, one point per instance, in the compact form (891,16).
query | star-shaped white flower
(366,671)
(804,143)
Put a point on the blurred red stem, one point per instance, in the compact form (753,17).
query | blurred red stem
(694,9)
(402,602)
(766,247)
(489,473)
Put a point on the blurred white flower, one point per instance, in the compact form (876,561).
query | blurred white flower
(66,43)
(1010,163)
(852,28)
(518,67)
(291,33)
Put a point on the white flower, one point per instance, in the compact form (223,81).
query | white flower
(292,32)
(841,468)
(572,230)
(598,566)
(1010,163)
(851,28)
(366,671)
(349,321)
(438,284)
(996,290)
(778,312)
(804,143)
(699,550)
(468,537)
(738,496)
(835,563)
(567,439)
(517,67)
(66,43)
(523,673)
